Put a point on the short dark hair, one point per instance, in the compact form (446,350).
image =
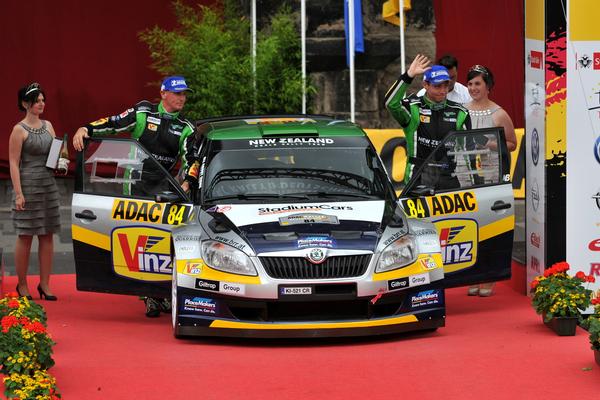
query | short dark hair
(29,94)
(485,72)
(448,61)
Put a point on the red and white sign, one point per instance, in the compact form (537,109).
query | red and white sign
(594,245)
(536,59)
(596,60)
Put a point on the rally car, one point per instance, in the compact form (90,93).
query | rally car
(295,229)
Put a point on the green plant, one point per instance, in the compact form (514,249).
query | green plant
(39,386)
(592,324)
(557,294)
(25,349)
(211,48)
(17,306)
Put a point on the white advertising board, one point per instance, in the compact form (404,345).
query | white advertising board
(583,158)
(535,139)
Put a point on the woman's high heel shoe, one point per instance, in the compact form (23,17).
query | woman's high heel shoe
(49,297)
(29,297)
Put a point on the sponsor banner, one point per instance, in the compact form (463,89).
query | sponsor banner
(291,142)
(427,298)
(418,280)
(193,268)
(308,218)
(142,253)
(236,289)
(535,149)
(458,240)
(199,305)
(316,241)
(442,204)
(583,144)
(206,284)
(397,284)
(248,214)
(149,212)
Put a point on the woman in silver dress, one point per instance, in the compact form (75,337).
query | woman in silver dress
(485,113)
(35,209)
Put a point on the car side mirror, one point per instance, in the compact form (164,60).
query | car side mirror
(422,191)
(167,197)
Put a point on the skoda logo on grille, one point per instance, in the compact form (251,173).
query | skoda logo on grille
(316,256)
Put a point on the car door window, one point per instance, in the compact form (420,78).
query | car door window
(467,159)
(123,168)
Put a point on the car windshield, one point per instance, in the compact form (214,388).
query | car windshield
(301,173)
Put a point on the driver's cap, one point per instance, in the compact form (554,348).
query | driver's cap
(175,84)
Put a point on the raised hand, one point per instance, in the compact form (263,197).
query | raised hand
(419,65)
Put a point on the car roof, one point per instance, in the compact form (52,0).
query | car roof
(261,126)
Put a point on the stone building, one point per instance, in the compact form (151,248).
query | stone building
(376,69)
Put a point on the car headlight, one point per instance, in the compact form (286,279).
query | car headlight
(398,254)
(225,258)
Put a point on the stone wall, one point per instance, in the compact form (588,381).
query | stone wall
(376,69)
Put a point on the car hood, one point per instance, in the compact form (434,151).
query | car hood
(353,225)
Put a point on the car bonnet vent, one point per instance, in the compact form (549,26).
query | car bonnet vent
(346,234)
(285,130)
(280,236)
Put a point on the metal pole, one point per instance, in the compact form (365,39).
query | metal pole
(253,12)
(351,45)
(303,35)
(401,15)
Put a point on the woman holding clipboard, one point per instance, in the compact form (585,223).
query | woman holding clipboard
(35,206)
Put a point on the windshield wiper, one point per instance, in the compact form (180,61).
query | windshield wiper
(259,196)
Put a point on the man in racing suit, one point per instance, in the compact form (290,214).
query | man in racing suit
(426,120)
(166,135)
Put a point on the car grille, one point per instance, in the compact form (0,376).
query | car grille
(301,268)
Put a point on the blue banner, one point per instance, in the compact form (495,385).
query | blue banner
(359,44)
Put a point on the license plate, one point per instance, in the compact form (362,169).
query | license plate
(296,290)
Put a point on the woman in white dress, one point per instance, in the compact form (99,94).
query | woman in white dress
(485,113)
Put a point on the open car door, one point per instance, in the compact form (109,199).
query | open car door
(464,188)
(124,206)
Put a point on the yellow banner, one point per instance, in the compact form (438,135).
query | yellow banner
(534,19)
(583,17)
(391,11)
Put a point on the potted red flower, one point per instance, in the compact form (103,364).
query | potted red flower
(25,350)
(560,297)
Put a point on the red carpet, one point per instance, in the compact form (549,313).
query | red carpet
(491,348)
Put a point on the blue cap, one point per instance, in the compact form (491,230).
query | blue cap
(436,74)
(174,84)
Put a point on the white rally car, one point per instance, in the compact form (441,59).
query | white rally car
(295,229)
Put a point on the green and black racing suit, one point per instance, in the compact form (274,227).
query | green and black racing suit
(167,136)
(424,122)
